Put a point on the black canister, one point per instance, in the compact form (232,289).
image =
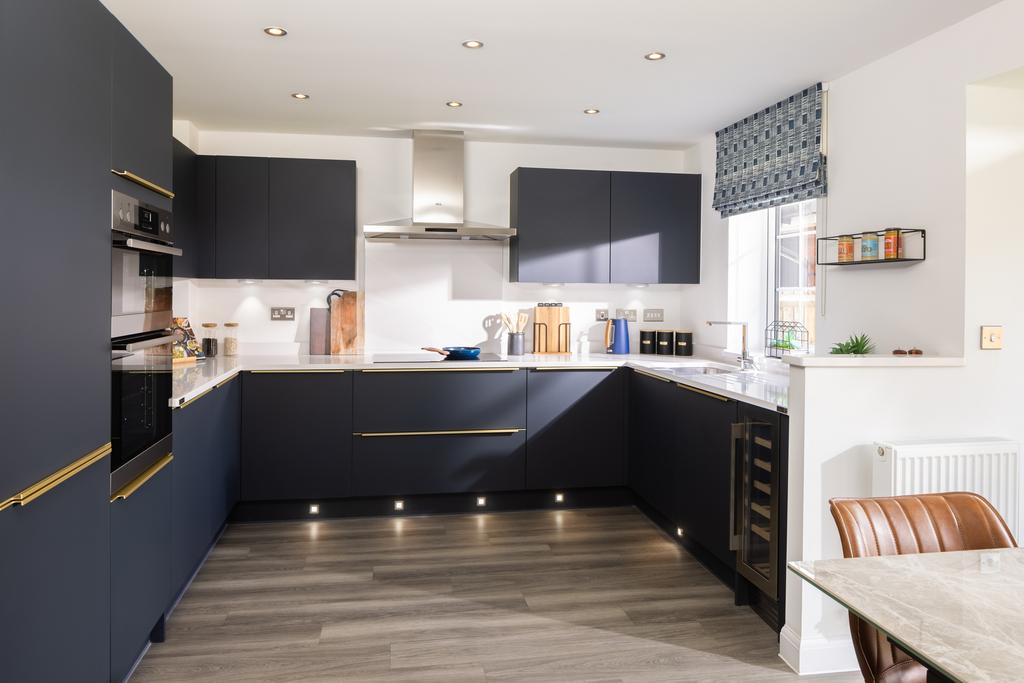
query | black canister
(684,343)
(647,340)
(666,339)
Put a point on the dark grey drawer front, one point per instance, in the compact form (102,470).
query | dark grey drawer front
(408,465)
(439,400)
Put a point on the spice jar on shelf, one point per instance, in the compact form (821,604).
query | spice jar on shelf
(846,249)
(869,247)
(230,339)
(210,339)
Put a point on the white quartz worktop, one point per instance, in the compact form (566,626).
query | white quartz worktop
(767,390)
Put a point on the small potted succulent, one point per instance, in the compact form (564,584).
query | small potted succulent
(856,345)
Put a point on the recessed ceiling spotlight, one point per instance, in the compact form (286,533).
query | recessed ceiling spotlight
(473,44)
(591,111)
(654,56)
(275,31)
(454,104)
(300,95)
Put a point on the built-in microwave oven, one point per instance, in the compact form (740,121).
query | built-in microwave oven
(142,257)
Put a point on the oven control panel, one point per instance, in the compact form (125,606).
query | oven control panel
(134,217)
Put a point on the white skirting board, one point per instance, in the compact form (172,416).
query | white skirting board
(808,656)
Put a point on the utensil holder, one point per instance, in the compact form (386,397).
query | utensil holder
(516,343)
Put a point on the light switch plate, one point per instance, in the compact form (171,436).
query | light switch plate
(628,313)
(600,314)
(991,336)
(282,313)
(654,315)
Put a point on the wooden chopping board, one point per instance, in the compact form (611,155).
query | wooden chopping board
(551,332)
(345,328)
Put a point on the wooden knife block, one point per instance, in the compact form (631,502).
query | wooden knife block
(346,327)
(551,330)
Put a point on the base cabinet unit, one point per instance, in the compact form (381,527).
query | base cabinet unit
(576,428)
(205,483)
(55,573)
(464,462)
(140,565)
(296,435)
(703,472)
(654,422)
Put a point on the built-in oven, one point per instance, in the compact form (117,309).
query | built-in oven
(142,254)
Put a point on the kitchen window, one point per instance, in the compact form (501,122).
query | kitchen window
(772,273)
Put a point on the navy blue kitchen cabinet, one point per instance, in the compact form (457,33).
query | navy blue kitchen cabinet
(703,471)
(140,565)
(205,486)
(576,424)
(466,462)
(562,219)
(140,121)
(193,213)
(312,220)
(296,435)
(410,401)
(241,217)
(655,227)
(55,611)
(56,212)
(655,419)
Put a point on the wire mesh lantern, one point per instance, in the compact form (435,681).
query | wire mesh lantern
(784,336)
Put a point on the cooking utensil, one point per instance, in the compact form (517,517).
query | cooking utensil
(521,323)
(456,352)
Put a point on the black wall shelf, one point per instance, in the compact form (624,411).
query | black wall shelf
(912,248)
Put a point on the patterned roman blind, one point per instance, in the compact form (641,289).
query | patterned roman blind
(774,156)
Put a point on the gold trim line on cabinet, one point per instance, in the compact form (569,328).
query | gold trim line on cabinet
(651,375)
(502,369)
(227,381)
(445,432)
(294,371)
(578,367)
(57,478)
(702,392)
(139,180)
(192,400)
(131,487)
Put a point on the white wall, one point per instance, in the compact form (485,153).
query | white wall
(920,173)
(420,293)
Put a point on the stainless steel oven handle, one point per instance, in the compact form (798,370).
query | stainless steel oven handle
(738,432)
(142,245)
(145,344)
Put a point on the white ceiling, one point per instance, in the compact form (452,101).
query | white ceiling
(381,66)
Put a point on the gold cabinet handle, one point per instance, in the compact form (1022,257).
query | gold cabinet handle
(57,478)
(294,371)
(131,487)
(501,369)
(139,180)
(578,367)
(702,392)
(651,375)
(446,432)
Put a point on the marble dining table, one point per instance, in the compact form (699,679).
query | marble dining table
(958,613)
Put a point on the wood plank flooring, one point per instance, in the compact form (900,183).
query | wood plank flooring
(567,595)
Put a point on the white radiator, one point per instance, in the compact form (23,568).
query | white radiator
(987,466)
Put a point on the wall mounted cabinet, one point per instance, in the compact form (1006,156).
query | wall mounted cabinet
(604,226)
(194,217)
(242,230)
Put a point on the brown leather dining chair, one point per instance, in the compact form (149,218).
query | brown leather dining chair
(905,525)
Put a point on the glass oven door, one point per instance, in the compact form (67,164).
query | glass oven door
(140,415)
(141,291)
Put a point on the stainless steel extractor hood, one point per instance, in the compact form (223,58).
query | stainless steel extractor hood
(437,195)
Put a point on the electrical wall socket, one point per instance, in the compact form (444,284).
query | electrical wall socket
(600,314)
(628,313)
(654,315)
(282,313)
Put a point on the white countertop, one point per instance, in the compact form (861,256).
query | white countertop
(955,611)
(874,360)
(767,390)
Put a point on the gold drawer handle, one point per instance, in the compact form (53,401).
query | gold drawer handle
(579,367)
(701,392)
(139,180)
(57,478)
(131,487)
(295,371)
(447,432)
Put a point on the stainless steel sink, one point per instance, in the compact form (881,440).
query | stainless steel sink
(702,370)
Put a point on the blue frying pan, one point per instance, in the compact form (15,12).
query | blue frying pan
(456,352)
